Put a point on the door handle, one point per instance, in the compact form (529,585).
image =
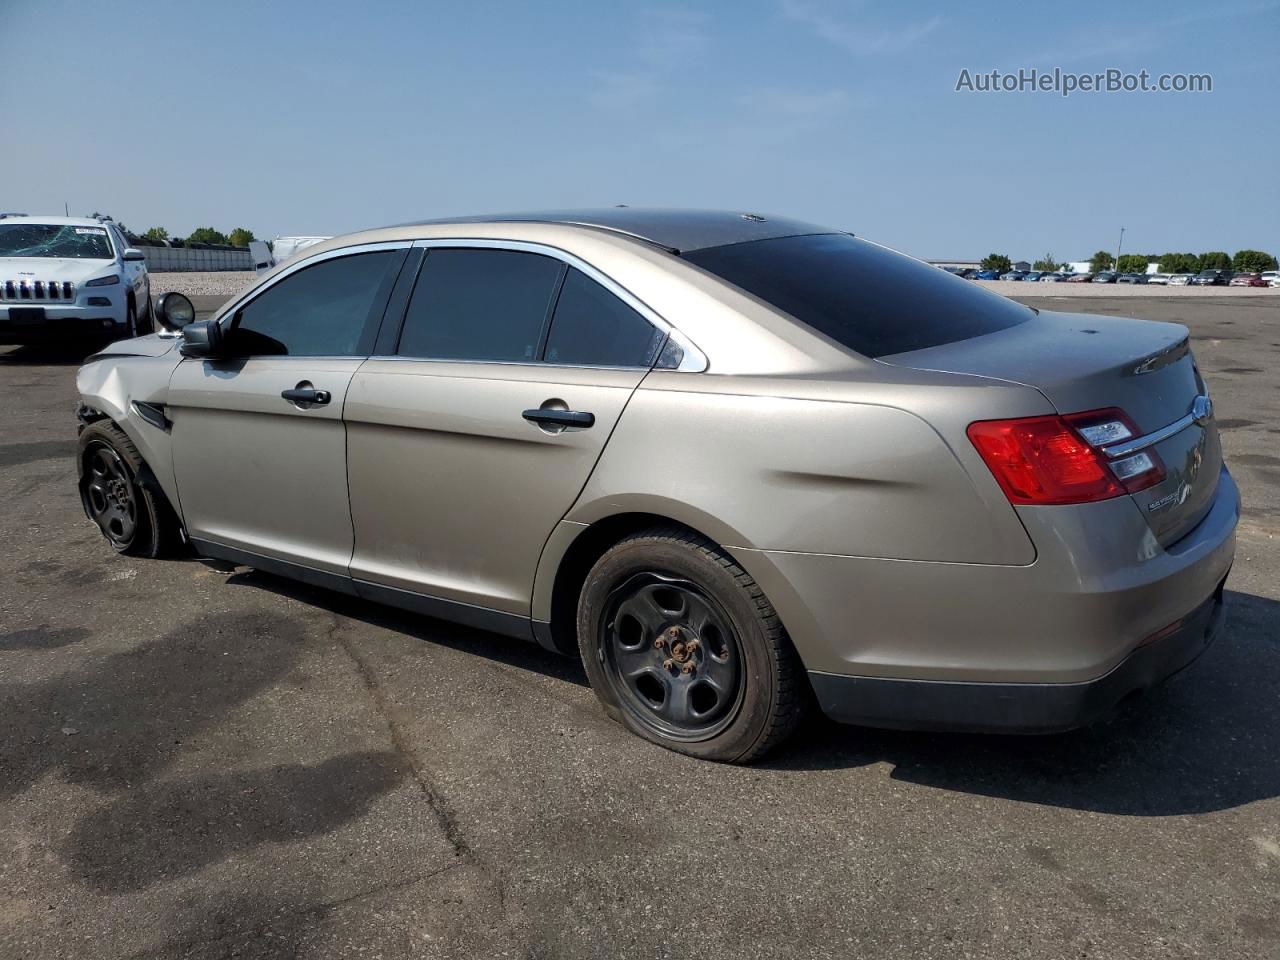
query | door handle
(301,394)
(550,417)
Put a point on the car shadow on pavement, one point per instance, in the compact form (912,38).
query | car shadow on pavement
(481,643)
(172,828)
(124,718)
(1206,740)
(49,354)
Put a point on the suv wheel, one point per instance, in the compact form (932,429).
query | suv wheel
(135,519)
(683,648)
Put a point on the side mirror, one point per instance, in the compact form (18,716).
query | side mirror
(173,311)
(133,253)
(203,339)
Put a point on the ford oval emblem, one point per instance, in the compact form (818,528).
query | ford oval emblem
(1201,409)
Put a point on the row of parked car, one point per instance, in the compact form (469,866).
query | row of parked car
(1205,278)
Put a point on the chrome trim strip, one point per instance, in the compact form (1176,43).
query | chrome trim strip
(695,361)
(1126,447)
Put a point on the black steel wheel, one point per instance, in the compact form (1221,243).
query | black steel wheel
(672,656)
(131,511)
(110,494)
(683,648)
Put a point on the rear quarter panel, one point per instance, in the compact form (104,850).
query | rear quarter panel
(800,466)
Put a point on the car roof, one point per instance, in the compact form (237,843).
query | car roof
(676,230)
(55,221)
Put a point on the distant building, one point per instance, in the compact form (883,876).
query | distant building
(1022,265)
(956,264)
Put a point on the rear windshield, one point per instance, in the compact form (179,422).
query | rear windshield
(54,240)
(871,300)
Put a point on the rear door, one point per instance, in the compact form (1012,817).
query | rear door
(259,448)
(470,441)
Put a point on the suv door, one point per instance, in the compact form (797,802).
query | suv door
(261,467)
(471,442)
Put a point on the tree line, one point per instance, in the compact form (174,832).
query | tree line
(1244,261)
(239,237)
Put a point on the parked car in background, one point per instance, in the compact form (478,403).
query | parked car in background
(1162,279)
(1080,278)
(968,273)
(534,425)
(1131,278)
(1179,279)
(1269,275)
(1274,282)
(1247,280)
(988,274)
(68,278)
(1212,278)
(1033,276)
(1106,276)
(1055,277)
(1013,275)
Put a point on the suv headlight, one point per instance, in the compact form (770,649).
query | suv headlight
(110,281)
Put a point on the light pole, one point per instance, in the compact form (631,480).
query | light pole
(1119,247)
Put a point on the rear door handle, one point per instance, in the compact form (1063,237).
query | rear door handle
(306,395)
(560,418)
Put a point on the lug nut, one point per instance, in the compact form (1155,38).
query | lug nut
(687,667)
(660,642)
(668,664)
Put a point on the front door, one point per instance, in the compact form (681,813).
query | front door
(259,446)
(468,446)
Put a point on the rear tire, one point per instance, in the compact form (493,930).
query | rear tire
(134,517)
(683,648)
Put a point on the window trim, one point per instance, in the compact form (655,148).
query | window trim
(693,361)
(230,314)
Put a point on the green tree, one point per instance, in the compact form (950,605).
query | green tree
(157,233)
(1101,261)
(1179,263)
(1252,261)
(1133,263)
(997,261)
(1214,260)
(1047,264)
(206,235)
(240,237)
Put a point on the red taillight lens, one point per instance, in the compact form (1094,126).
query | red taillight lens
(1042,460)
(1057,460)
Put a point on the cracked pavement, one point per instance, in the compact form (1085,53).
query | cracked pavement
(205,764)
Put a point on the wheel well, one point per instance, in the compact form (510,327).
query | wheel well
(577,562)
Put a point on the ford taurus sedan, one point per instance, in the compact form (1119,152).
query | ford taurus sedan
(742,465)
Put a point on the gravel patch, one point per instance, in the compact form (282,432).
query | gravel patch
(1017,288)
(222,284)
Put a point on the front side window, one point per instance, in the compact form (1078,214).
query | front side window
(326,310)
(593,327)
(486,305)
(54,240)
(870,299)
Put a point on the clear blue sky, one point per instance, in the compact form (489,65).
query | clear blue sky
(324,117)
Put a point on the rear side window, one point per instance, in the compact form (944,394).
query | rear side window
(593,327)
(479,305)
(326,310)
(871,300)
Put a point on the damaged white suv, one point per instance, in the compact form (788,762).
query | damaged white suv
(67,278)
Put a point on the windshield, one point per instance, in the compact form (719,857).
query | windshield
(864,296)
(54,240)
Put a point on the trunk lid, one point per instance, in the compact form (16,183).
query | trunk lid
(1083,362)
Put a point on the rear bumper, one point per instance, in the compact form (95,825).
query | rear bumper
(1016,707)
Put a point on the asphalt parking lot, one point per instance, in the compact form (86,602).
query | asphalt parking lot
(204,764)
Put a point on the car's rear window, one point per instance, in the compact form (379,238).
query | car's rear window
(870,299)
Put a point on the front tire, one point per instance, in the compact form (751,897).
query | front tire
(683,648)
(134,518)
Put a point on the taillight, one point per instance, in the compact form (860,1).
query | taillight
(1059,460)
